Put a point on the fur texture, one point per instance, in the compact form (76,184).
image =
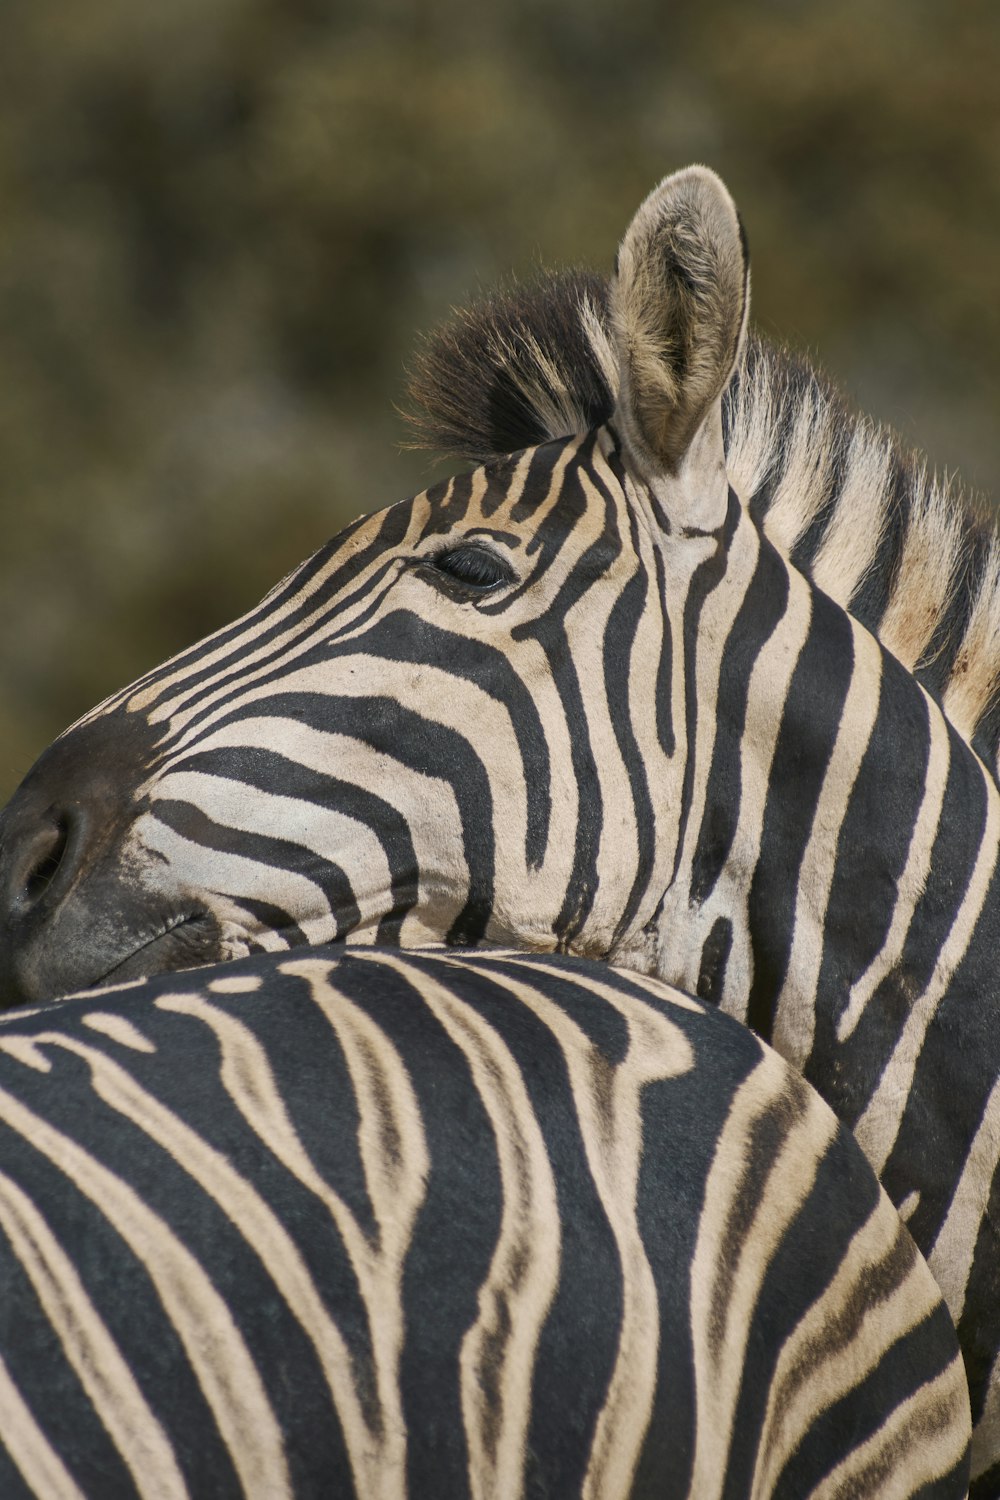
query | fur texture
(904,550)
(678,310)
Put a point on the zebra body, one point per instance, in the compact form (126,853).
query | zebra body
(591,697)
(394,1224)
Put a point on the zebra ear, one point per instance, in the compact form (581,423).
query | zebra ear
(679,304)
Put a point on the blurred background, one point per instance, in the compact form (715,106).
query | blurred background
(222,223)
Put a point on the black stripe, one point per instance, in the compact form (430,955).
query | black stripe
(262,622)
(913,1360)
(810,719)
(282,854)
(617,653)
(707,576)
(760,613)
(871,854)
(268,771)
(872,595)
(765,1139)
(403,636)
(714,959)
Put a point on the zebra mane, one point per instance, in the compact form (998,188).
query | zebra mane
(905,551)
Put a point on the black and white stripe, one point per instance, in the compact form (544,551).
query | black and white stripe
(407,1224)
(593,697)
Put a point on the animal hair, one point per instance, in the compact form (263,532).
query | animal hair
(678,305)
(516,369)
(906,551)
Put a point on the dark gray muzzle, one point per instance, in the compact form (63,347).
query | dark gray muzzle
(72,914)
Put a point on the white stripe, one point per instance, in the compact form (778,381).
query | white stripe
(767,691)
(795,1010)
(808,449)
(610,1120)
(986,1434)
(90,1349)
(878,1127)
(950,1259)
(500,1349)
(245,657)
(720,1355)
(119,1030)
(40,1466)
(840,1340)
(913,880)
(387,1106)
(685,930)
(852,538)
(921,1440)
(203,1323)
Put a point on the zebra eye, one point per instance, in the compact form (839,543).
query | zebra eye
(476,568)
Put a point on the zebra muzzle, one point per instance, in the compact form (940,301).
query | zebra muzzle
(74,912)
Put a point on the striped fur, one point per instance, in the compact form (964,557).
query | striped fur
(904,550)
(589,698)
(394,1225)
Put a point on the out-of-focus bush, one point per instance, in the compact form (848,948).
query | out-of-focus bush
(222,221)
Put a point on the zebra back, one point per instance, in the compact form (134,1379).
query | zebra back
(393,1225)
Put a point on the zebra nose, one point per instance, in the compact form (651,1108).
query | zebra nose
(46,932)
(64,896)
(72,805)
(40,861)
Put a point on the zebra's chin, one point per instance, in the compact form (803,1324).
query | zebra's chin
(185,942)
(101,955)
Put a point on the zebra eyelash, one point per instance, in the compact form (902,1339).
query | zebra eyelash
(469,568)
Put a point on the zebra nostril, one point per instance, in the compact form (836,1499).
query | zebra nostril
(48,858)
(41,861)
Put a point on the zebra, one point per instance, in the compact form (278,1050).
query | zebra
(385,1223)
(694,673)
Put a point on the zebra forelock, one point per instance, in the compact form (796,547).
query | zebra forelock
(516,369)
(910,553)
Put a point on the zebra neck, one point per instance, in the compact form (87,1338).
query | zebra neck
(837,866)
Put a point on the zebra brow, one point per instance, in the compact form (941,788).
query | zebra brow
(908,552)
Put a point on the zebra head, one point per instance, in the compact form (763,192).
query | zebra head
(460,721)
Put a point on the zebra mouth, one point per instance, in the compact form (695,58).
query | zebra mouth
(184,941)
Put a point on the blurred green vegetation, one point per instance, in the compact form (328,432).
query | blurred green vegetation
(224,220)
